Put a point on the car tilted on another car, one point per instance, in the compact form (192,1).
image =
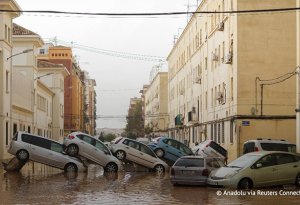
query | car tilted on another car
(137,152)
(170,149)
(256,169)
(27,146)
(209,148)
(193,170)
(80,144)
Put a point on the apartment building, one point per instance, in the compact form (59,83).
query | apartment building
(73,85)
(156,104)
(6,26)
(89,104)
(231,76)
(52,76)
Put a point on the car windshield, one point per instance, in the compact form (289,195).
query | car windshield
(244,161)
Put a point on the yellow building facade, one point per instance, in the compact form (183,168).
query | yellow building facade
(156,104)
(231,76)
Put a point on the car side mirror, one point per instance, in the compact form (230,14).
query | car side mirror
(258,165)
(106,152)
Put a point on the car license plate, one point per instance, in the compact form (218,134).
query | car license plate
(188,172)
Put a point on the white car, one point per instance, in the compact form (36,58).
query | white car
(81,144)
(27,146)
(209,148)
(257,169)
(137,152)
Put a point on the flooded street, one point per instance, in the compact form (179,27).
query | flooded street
(43,185)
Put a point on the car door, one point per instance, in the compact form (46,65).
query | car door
(40,150)
(100,153)
(132,151)
(85,146)
(147,156)
(57,158)
(264,171)
(288,167)
(171,149)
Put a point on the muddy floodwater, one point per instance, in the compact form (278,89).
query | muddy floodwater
(36,184)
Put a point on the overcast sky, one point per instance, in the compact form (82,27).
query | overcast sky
(118,79)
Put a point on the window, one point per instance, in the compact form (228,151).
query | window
(190,162)
(6,33)
(285,158)
(9,35)
(41,103)
(147,150)
(7,81)
(219,132)
(231,132)
(6,133)
(101,147)
(87,139)
(223,132)
(212,131)
(26,138)
(15,128)
(56,147)
(267,161)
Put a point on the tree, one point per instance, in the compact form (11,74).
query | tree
(135,122)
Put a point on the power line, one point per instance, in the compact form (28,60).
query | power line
(111,52)
(153,13)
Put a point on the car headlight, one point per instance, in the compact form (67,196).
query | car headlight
(230,175)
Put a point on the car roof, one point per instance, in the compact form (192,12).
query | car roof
(269,141)
(23,132)
(262,153)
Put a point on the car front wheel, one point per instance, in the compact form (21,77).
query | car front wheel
(72,150)
(298,180)
(120,155)
(71,167)
(245,184)
(22,155)
(159,152)
(111,167)
(159,169)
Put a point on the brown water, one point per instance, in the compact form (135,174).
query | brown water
(43,185)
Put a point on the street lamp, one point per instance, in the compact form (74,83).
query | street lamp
(37,78)
(25,51)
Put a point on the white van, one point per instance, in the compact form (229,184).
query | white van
(268,145)
(209,148)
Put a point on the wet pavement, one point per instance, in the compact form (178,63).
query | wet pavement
(38,184)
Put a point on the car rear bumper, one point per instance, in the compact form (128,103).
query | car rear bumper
(188,181)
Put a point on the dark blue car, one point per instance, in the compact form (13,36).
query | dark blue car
(170,149)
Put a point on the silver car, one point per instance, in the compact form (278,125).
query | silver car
(81,144)
(137,152)
(27,146)
(256,169)
(193,170)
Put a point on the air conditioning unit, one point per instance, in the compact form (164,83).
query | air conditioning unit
(221,26)
(214,57)
(197,79)
(228,58)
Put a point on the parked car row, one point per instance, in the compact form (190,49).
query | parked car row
(252,170)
